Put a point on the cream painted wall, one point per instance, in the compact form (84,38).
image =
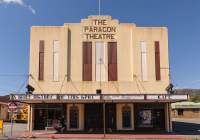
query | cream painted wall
(119,116)
(128,37)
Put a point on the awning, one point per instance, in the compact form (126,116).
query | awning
(69,98)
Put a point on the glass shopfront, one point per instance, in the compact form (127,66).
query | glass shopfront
(149,116)
(46,114)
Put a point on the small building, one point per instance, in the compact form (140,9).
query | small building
(4,115)
(100,75)
(185,110)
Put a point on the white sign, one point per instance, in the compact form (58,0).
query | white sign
(166,97)
(80,97)
(123,97)
(12,107)
(57,97)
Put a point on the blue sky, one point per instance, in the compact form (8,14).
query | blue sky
(180,16)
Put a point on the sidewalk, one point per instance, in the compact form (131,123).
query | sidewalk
(101,136)
(20,133)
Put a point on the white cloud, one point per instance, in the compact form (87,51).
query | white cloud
(18,2)
(195,81)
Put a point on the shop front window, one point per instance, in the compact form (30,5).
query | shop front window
(74,117)
(126,117)
(146,119)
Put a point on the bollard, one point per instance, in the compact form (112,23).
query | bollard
(1,127)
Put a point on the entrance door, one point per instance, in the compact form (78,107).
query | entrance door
(94,117)
(40,119)
(159,119)
(110,117)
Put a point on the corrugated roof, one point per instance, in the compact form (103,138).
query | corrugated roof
(4,99)
(183,105)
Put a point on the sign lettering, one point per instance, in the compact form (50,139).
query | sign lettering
(99,30)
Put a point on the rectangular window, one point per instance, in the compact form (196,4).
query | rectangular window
(144,60)
(55,60)
(41,60)
(196,110)
(157,60)
(87,61)
(112,61)
(180,112)
(100,61)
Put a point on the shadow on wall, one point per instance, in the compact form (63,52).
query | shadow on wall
(186,128)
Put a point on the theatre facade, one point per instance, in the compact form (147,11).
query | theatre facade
(101,76)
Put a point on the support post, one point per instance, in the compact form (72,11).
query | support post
(30,119)
(170,121)
(104,120)
(11,124)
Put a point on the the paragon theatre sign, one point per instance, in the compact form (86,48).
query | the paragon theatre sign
(99,29)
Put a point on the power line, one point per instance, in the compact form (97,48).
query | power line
(138,87)
(36,83)
(13,75)
(62,84)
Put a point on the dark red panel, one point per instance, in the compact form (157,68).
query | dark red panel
(112,61)
(157,60)
(41,60)
(87,61)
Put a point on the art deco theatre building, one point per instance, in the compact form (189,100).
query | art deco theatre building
(99,74)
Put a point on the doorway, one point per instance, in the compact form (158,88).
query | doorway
(110,117)
(94,117)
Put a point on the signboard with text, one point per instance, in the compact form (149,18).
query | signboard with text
(95,97)
(12,107)
(100,29)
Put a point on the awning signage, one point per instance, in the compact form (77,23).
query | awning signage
(54,97)
(123,97)
(94,97)
(166,97)
(79,97)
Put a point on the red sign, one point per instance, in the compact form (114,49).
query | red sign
(12,107)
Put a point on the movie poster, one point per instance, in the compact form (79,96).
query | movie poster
(145,117)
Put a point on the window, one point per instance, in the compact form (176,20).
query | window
(180,112)
(56,60)
(87,61)
(157,60)
(195,110)
(143,60)
(112,61)
(74,117)
(126,117)
(41,60)
(100,61)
